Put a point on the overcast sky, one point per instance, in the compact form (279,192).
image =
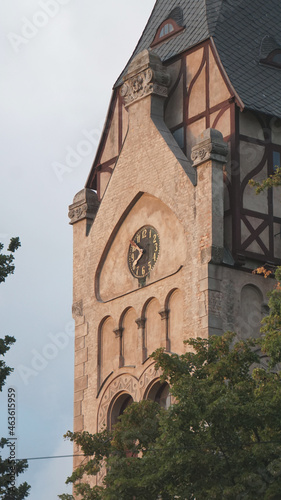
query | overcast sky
(59,60)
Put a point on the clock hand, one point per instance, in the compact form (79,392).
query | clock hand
(138,257)
(133,243)
(140,250)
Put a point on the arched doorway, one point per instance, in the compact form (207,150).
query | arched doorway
(117,407)
(160,393)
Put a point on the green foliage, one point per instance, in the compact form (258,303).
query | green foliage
(7,470)
(220,439)
(21,491)
(271,324)
(118,450)
(224,432)
(4,369)
(7,266)
(273,180)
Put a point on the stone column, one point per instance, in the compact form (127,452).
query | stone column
(141,326)
(119,335)
(209,156)
(81,213)
(165,341)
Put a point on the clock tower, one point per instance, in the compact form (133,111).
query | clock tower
(167,230)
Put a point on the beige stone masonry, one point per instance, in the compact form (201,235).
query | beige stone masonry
(209,155)
(152,184)
(78,396)
(81,330)
(82,356)
(79,371)
(79,343)
(77,409)
(81,383)
(78,426)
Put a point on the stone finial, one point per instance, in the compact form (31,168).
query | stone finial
(85,206)
(210,146)
(146,75)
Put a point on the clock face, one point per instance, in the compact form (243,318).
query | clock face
(143,251)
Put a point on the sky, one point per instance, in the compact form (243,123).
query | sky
(59,60)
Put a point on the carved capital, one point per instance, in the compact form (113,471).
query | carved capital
(210,146)
(141,323)
(164,313)
(146,75)
(118,332)
(85,206)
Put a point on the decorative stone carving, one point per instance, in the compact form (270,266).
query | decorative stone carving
(146,75)
(164,313)
(77,308)
(126,383)
(210,146)
(146,378)
(141,323)
(85,206)
(118,332)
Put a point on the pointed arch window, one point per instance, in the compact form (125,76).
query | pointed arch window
(166,30)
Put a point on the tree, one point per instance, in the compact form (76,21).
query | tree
(221,439)
(9,469)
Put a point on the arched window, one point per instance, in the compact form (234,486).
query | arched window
(168,28)
(163,396)
(251,311)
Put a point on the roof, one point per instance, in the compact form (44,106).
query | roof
(238,29)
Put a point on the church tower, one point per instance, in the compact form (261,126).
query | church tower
(167,230)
